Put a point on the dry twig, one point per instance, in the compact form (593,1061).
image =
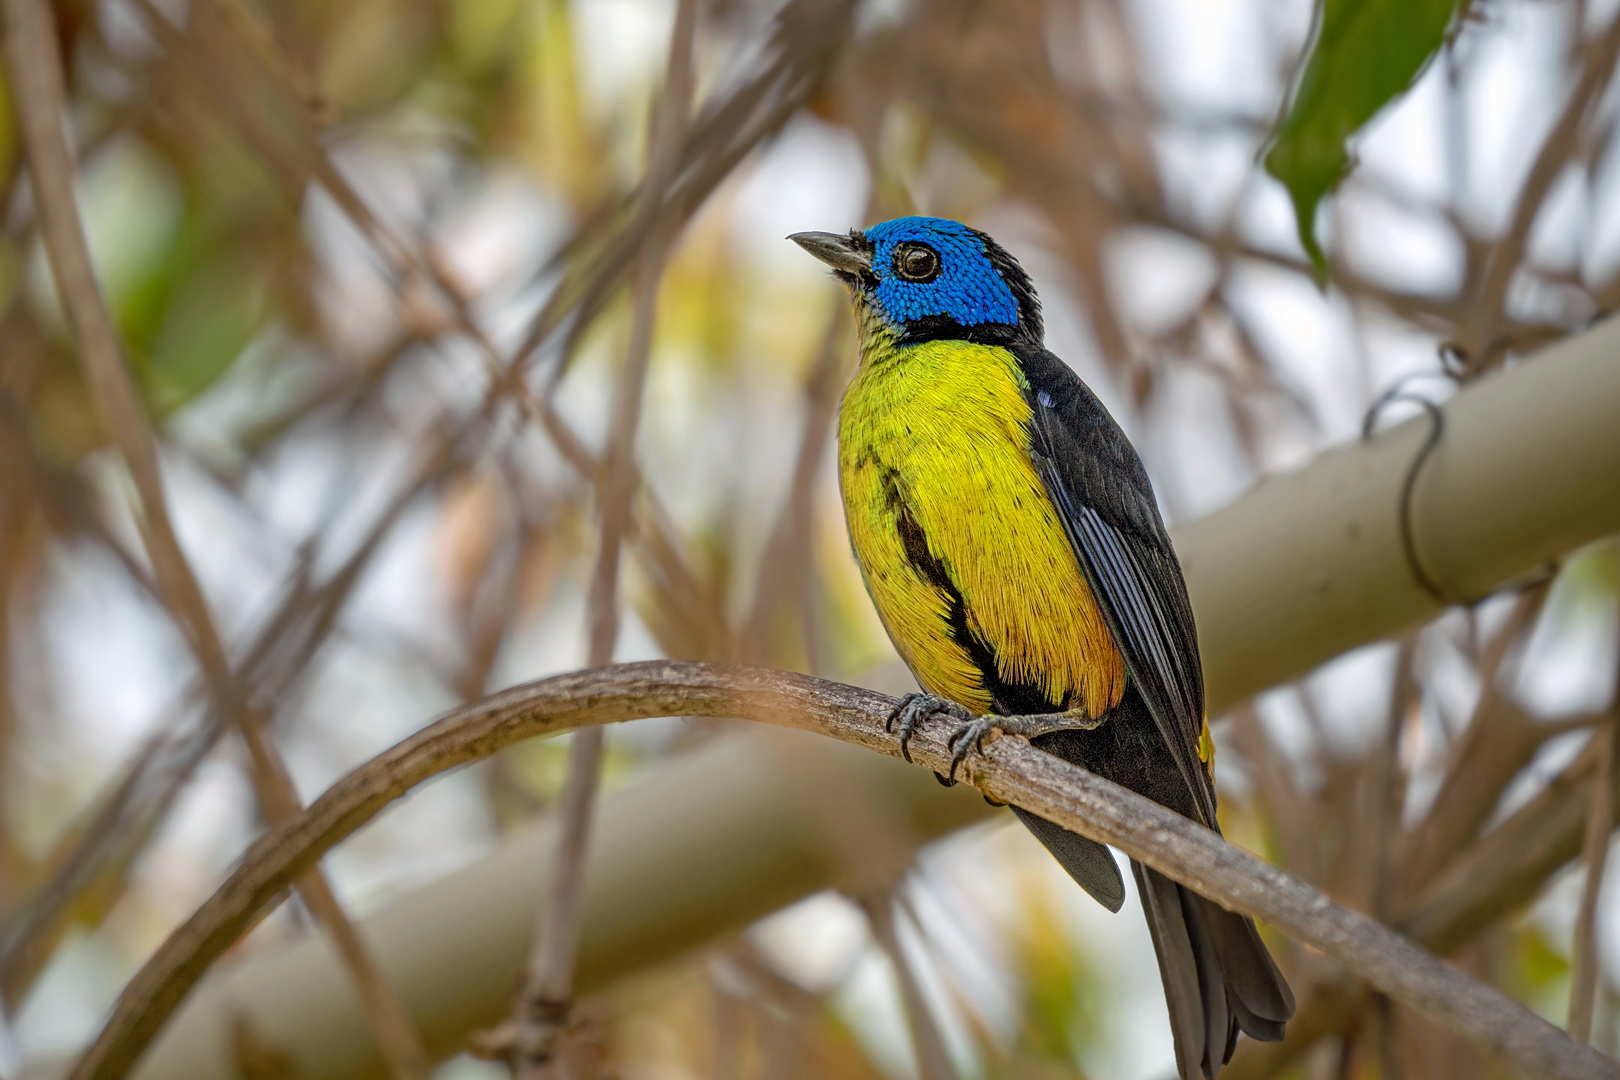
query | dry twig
(31,54)
(540,1011)
(933,1063)
(1010,771)
(1479,330)
(1595,855)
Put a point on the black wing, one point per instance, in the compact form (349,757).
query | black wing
(1096,481)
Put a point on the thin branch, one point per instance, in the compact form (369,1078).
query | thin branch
(1599,823)
(541,1010)
(1498,874)
(181,755)
(1558,149)
(1010,770)
(784,567)
(31,54)
(1383,787)
(932,1061)
(804,44)
(1495,746)
(1498,742)
(403,261)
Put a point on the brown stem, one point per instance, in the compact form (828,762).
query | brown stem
(932,1061)
(36,74)
(541,1010)
(1498,874)
(1497,744)
(1557,150)
(1010,770)
(1595,853)
(785,563)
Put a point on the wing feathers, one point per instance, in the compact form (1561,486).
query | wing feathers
(1132,596)
(1156,651)
(1218,977)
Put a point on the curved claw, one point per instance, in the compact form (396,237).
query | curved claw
(912,710)
(969,736)
(909,711)
(900,706)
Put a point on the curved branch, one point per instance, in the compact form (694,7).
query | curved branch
(1010,771)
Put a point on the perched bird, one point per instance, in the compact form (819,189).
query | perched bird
(1009,537)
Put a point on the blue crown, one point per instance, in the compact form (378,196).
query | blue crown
(969,288)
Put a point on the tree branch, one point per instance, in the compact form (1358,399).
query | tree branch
(1305,566)
(1292,573)
(540,1010)
(1596,61)
(31,54)
(1600,823)
(933,1062)
(1010,771)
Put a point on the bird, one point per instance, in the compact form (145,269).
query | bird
(1009,537)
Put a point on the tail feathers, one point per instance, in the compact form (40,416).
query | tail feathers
(1091,864)
(1218,977)
(1258,993)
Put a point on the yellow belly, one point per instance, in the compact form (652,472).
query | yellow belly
(933,449)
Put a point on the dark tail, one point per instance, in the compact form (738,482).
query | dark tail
(1218,977)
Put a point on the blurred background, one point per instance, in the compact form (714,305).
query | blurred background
(376,267)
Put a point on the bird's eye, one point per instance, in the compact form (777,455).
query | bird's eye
(916,262)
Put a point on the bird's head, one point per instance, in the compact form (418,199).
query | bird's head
(929,278)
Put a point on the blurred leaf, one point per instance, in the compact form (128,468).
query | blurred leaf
(210,320)
(8,129)
(1592,574)
(196,293)
(1538,962)
(481,33)
(552,131)
(1366,53)
(373,50)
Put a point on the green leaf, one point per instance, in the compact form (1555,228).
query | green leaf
(1366,53)
(210,319)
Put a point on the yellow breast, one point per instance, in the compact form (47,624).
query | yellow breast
(943,502)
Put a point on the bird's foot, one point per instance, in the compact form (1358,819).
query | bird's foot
(971,734)
(914,709)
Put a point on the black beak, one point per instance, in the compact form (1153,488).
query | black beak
(850,254)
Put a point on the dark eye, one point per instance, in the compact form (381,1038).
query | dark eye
(916,262)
